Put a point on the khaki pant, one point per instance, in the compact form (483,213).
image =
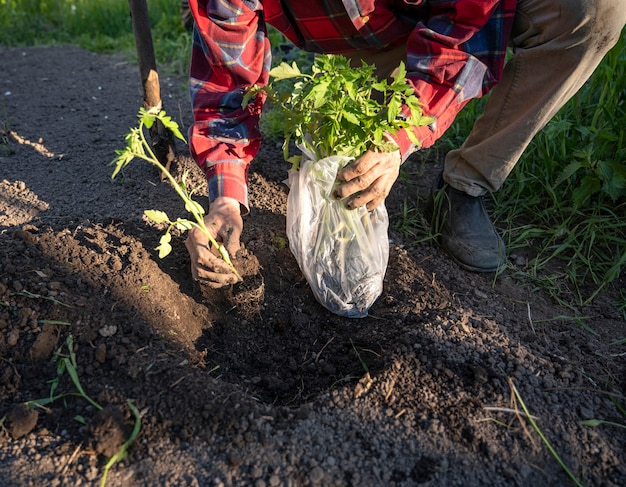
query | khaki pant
(557,44)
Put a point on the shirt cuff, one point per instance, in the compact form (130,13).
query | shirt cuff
(229,179)
(424,133)
(402,140)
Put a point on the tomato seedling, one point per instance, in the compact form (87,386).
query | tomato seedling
(137,147)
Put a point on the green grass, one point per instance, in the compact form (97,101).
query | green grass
(564,204)
(542,435)
(102,26)
(567,198)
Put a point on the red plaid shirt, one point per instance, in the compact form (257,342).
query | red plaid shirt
(455,52)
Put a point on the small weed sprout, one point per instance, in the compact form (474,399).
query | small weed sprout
(137,147)
(600,422)
(538,430)
(66,362)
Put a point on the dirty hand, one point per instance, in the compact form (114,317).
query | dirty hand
(368,179)
(224,222)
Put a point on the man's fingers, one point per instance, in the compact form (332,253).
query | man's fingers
(372,197)
(368,180)
(225,224)
(217,281)
(232,242)
(208,262)
(213,271)
(359,167)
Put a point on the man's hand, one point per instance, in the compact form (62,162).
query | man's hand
(225,223)
(368,179)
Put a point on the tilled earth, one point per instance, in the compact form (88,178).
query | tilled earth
(278,392)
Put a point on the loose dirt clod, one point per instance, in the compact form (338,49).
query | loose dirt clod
(21,420)
(106,431)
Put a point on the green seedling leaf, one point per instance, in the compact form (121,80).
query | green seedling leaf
(592,422)
(65,363)
(74,376)
(543,437)
(171,125)
(184,225)
(157,216)
(53,322)
(137,147)
(164,248)
(333,110)
(121,161)
(295,162)
(194,207)
(250,93)
(318,94)
(285,71)
(135,142)
(393,109)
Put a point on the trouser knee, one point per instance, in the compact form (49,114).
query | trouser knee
(587,24)
(600,21)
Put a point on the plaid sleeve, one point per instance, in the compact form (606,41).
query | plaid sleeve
(455,55)
(230,53)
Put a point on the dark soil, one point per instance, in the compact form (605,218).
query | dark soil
(272,390)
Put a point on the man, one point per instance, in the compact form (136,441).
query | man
(454,50)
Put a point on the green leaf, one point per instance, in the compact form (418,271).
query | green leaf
(124,157)
(333,110)
(393,109)
(568,172)
(250,93)
(146,117)
(351,117)
(318,94)
(400,74)
(194,207)
(157,216)
(170,124)
(164,248)
(123,451)
(613,175)
(588,186)
(285,71)
(183,225)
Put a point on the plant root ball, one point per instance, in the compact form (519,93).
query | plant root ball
(248,295)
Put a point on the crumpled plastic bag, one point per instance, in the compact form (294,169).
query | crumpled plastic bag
(342,253)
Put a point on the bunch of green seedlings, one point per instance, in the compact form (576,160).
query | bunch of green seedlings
(66,362)
(341,110)
(138,147)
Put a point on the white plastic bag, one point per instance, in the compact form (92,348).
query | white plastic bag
(342,253)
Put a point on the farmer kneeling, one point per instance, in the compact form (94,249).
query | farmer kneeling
(454,50)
